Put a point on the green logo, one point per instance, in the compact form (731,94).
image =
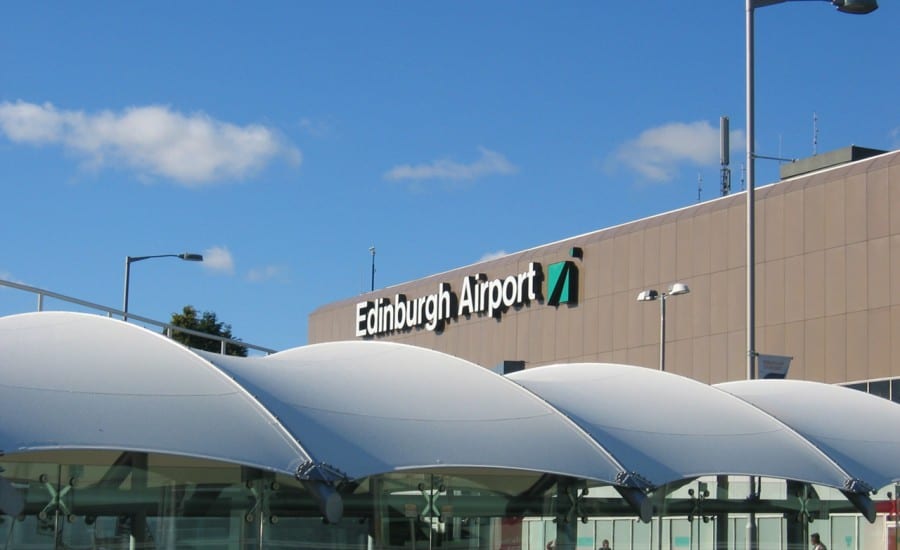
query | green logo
(562,283)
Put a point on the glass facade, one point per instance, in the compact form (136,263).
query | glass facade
(888,388)
(111,501)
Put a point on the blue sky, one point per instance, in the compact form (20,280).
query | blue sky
(283,139)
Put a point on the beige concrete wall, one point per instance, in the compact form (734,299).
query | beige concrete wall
(828,287)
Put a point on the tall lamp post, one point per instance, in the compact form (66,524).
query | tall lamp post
(845,6)
(131,259)
(652,295)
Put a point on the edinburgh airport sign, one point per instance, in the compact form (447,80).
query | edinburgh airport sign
(477,296)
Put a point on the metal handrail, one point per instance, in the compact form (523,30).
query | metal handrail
(169,328)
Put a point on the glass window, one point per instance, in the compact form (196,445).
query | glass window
(535,534)
(630,534)
(115,501)
(585,536)
(881,388)
(823,528)
(738,533)
(640,536)
(770,532)
(895,390)
(681,533)
(843,532)
(706,533)
(605,529)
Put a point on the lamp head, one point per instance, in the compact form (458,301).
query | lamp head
(860,7)
(678,288)
(191,257)
(647,295)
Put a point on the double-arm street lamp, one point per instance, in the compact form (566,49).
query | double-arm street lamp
(845,6)
(131,259)
(652,295)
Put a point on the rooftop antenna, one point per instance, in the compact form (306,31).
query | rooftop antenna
(699,185)
(372,250)
(815,133)
(724,160)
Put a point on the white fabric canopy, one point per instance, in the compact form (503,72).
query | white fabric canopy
(348,410)
(668,428)
(375,407)
(861,432)
(78,381)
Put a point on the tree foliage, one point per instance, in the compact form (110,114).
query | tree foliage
(206,323)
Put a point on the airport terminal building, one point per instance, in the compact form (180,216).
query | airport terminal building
(827,287)
(505,405)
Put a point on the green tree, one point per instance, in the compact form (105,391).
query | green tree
(207,323)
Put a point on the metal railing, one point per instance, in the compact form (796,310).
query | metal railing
(168,328)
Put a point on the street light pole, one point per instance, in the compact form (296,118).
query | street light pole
(131,259)
(651,295)
(846,6)
(751,199)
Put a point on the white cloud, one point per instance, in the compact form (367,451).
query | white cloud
(30,123)
(267,273)
(153,140)
(658,153)
(490,163)
(218,258)
(488,256)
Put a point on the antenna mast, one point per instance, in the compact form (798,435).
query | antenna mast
(815,133)
(724,160)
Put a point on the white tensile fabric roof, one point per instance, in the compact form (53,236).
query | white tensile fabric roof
(668,428)
(78,381)
(372,407)
(861,432)
(71,381)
